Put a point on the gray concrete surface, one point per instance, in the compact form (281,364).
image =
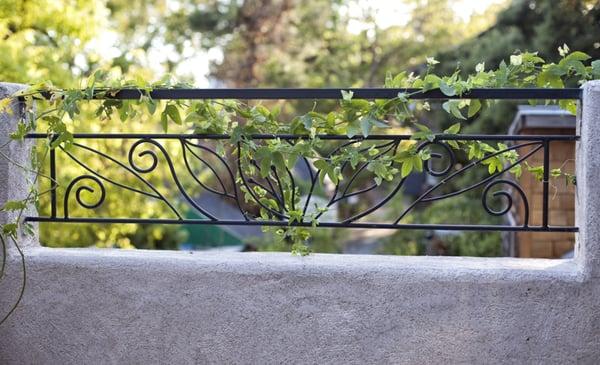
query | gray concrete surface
(587,213)
(14,180)
(86,306)
(103,306)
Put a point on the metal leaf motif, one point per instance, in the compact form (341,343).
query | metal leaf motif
(282,192)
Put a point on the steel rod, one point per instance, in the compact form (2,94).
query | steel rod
(445,137)
(444,227)
(336,94)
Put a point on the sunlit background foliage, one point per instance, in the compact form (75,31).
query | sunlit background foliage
(278,43)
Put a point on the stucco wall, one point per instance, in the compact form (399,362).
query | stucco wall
(139,307)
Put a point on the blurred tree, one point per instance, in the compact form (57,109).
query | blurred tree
(44,45)
(526,25)
(290,43)
(286,43)
(54,44)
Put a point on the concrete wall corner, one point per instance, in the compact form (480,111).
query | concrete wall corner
(15,180)
(587,207)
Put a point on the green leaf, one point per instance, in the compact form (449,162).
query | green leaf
(447,89)
(353,128)
(359,104)
(4,105)
(366,126)
(10,229)
(516,170)
(20,133)
(474,107)
(321,164)
(295,216)
(537,171)
(431,82)
(578,56)
(65,137)
(557,70)
(422,127)
(596,69)
(368,122)
(151,106)
(494,164)
(549,79)
(307,121)
(124,111)
(265,167)
(425,154)
(453,144)
(424,133)
(334,175)
(173,112)
(418,163)
(164,122)
(453,129)
(403,97)
(301,249)
(13,205)
(555,172)
(502,74)
(407,167)
(379,123)
(292,158)
(451,107)
(477,150)
(263,155)
(532,57)
(323,167)
(399,79)
(568,105)
(278,161)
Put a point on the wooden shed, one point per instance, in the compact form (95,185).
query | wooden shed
(536,120)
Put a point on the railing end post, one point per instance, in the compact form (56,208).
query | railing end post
(587,205)
(14,180)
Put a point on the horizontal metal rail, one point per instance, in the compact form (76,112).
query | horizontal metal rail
(336,93)
(360,225)
(388,137)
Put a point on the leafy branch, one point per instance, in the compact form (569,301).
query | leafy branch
(355,118)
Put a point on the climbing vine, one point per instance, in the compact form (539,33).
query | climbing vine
(355,118)
(56,109)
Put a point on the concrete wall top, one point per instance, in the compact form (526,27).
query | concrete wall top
(108,306)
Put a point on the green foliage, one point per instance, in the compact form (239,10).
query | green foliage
(38,38)
(299,44)
(540,25)
(457,209)
(353,117)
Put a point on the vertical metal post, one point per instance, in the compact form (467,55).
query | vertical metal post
(545,183)
(53,184)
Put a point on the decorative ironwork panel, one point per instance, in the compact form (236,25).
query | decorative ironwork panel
(176,171)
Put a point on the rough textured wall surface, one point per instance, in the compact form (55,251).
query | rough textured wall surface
(587,213)
(13,179)
(105,306)
(139,307)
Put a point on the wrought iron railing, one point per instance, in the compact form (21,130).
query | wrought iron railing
(181,155)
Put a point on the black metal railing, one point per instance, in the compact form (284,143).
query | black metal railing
(187,156)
